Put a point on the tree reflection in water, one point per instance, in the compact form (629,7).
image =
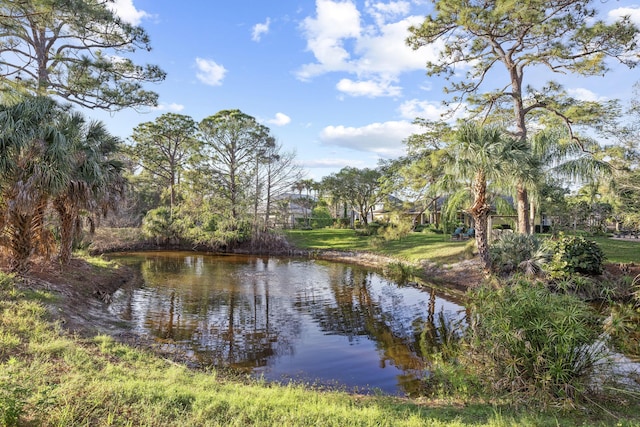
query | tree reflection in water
(287,318)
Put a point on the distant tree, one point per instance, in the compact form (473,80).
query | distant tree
(231,141)
(562,36)
(623,191)
(280,172)
(411,177)
(360,188)
(552,201)
(165,147)
(74,49)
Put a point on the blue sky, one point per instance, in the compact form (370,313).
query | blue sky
(332,79)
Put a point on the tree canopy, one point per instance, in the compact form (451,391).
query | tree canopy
(360,188)
(232,142)
(497,41)
(50,155)
(164,147)
(75,50)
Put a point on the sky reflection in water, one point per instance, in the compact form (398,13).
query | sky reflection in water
(281,318)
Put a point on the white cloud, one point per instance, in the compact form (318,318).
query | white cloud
(632,12)
(583,94)
(385,51)
(280,119)
(342,41)
(127,11)
(382,12)
(385,139)
(260,29)
(370,88)
(429,110)
(334,22)
(170,107)
(210,73)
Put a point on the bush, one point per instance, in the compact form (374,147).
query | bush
(574,254)
(159,224)
(526,339)
(342,223)
(397,229)
(371,229)
(321,217)
(518,252)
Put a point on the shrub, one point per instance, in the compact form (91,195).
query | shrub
(518,252)
(574,254)
(321,217)
(371,229)
(159,224)
(400,272)
(527,340)
(342,223)
(398,228)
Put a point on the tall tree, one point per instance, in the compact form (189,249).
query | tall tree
(281,173)
(75,49)
(478,157)
(164,148)
(489,37)
(232,140)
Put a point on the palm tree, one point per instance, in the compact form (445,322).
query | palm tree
(95,183)
(480,157)
(563,158)
(34,166)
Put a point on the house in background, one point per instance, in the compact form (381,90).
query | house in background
(290,210)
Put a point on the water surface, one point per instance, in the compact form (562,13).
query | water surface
(281,318)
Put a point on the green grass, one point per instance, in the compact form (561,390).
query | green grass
(414,247)
(329,238)
(48,378)
(619,251)
(435,247)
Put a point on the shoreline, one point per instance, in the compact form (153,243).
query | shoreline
(82,292)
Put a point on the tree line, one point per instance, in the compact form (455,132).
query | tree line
(219,181)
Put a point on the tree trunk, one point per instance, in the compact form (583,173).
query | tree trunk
(522,204)
(522,200)
(20,242)
(480,214)
(482,239)
(532,219)
(67,229)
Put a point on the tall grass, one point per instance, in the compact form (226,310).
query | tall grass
(534,344)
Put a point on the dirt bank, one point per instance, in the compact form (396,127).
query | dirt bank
(81,294)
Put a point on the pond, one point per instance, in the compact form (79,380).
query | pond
(319,322)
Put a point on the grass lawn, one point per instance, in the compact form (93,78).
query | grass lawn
(435,247)
(416,246)
(617,250)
